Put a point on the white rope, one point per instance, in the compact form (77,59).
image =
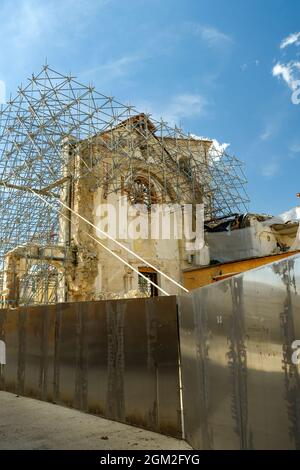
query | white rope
(113,240)
(101,244)
(101,231)
(122,246)
(127,264)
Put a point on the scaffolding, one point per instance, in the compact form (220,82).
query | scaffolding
(53,122)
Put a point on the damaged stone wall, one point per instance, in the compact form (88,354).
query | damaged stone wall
(249,236)
(81,274)
(89,271)
(17,264)
(95,274)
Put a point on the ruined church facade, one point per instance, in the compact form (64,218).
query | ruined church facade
(87,264)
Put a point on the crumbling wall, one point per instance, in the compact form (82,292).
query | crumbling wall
(256,236)
(10,293)
(18,262)
(82,273)
(95,272)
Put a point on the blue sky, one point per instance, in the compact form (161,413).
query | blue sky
(220,68)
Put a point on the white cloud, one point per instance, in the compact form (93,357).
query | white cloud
(113,69)
(180,107)
(291,215)
(212,36)
(27,23)
(185,106)
(293,38)
(269,131)
(119,67)
(269,170)
(295,148)
(199,137)
(287,72)
(246,65)
(218,149)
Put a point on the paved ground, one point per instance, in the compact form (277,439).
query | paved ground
(31,424)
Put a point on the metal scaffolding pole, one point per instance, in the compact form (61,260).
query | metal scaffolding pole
(57,131)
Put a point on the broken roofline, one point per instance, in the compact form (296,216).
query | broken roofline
(142,118)
(72,108)
(54,110)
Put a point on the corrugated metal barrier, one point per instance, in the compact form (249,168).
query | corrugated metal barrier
(117,359)
(241,388)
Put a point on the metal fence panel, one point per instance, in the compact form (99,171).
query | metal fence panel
(117,359)
(240,387)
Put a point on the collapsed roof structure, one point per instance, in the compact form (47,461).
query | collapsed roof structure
(245,236)
(41,130)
